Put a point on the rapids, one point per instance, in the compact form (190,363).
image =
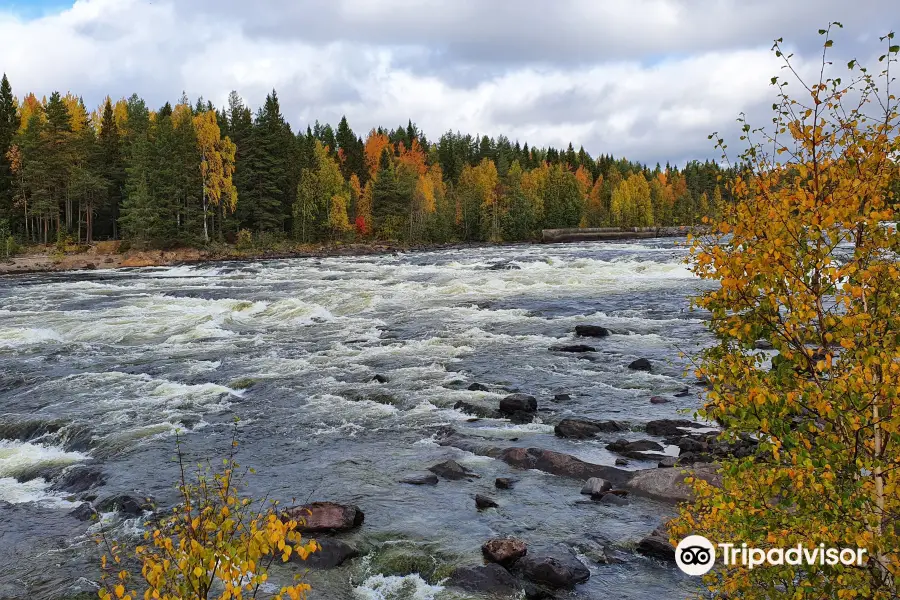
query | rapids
(102,367)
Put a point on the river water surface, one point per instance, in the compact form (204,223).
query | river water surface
(103,367)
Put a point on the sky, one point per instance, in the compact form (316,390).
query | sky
(647,80)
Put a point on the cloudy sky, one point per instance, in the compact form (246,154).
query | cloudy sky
(644,79)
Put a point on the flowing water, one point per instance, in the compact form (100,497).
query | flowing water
(103,367)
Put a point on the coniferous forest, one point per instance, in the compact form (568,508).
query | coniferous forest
(191,174)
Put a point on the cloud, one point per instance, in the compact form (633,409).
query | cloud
(646,79)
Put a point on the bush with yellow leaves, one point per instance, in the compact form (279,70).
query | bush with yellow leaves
(214,544)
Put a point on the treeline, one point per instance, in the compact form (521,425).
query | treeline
(191,173)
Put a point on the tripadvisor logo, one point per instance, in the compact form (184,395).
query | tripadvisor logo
(696,555)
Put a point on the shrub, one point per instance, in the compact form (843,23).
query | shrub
(213,542)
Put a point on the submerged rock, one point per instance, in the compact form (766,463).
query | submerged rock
(585,428)
(125,503)
(595,331)
(451,470)
(483,502)
(421,479)
(641,364)
(485,579)
(319,517)
(80,478)
(470,408)
(478,387)
(576,348)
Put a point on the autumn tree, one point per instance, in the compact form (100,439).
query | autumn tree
(216,166)
(320,186)
(806,259)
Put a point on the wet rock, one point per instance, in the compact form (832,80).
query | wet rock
(483,502)
(521,417)
(666,427)
(595,485)
(77,438)
(621,462)
(556,568)
(611,499)
(515,403)
(683,393)
(557,463)
(331,554)
(688,444)
(667,463)
(322,517)
(658,400)
(485,579)
(478,387)
(585,428)
(623,445)
(575,348)
(504,266)
(451,470)
(562,398)
(125,503)
(79,479)
(668,485)
(591,331)
(470,408)
(657,545)
(504,483)
(421,479)
(380,379)
(504,551)
(641,364)
(84,512)
(763,345)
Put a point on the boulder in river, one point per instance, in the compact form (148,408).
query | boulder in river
(504,483)
(621,462)
(421,479)
(584,428)
(380,379)
(658,400)
(556,568)
(470,408)
(562,398)
(516,403)
(668,485)
(594,331)
(80,478)
(595,485)
(321,517)
(667,427)
(763,345)
(331,554)
(483,502)
(575,348)
(84,512)
(657,545)
(128,504)
(641,364)
(623,445)
(557,463)
(485,579)
(504,551)
(452,470)
(478,387)
(684,393)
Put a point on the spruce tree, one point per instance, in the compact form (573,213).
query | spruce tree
(9,125)
(112,170)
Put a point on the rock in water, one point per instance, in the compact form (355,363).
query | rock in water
(504,551)
(638,446)
(667,427)
(584,428)
(332,553)
(380,379)
(80,479)
(562,397)
(504,483)
(125,503)
(485,579)
(668,485)
(451,470)
(657,545)
(319,517)
(478,387)
(641,364)
(84,512)
(516,403)
(658,400)
(594,331)
(557,568)
(577,348)
(595,485)
(483,502)
(421,479)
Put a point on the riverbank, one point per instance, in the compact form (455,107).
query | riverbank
(106,255)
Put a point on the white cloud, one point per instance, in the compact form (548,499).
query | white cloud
(647,79)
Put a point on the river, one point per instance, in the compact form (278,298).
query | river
(102,368)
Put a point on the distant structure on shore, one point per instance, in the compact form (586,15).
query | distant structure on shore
(593,234)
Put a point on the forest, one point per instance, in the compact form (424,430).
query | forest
(193,174)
